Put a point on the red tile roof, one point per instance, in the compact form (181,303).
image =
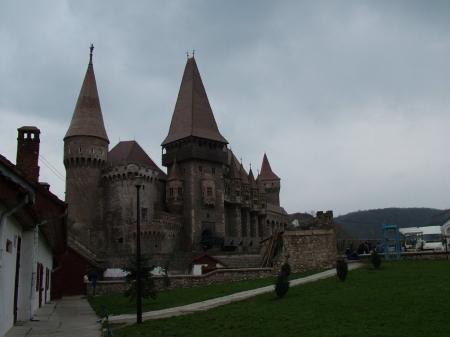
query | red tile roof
(193,115)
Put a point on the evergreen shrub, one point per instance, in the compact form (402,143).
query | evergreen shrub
(341,269)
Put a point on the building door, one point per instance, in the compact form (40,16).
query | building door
(16,283)
(41,282)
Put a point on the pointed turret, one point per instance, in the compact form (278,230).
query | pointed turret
(193,115)
(174,190)
(266,171)
(85,155)
(87,119)
(269,182)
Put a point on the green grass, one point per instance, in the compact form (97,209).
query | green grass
(117,304)
(405,298)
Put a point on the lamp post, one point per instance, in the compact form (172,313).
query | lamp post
(138,183)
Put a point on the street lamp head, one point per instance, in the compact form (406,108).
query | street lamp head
(138,181)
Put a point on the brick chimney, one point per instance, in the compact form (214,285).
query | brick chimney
(28,151)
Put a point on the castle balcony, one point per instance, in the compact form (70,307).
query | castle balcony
(191,151)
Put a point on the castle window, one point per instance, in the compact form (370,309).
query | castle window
(213,170)
(143,187)
(180,191)
(255,202)
(92,150)
(263,206)
(80,150)
(171,192)
(209,191)
(120,240)
(70,151)
(144,213)
(200,168)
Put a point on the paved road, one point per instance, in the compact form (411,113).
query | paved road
(70,316)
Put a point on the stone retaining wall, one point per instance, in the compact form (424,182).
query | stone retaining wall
(307,250)
(222,275)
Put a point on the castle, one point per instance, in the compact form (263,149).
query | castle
(206,201)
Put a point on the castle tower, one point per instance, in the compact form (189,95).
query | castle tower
(85,155)
(200,151)
(28,151)
(269,182)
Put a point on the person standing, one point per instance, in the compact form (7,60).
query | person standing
(93,277)
(86,281)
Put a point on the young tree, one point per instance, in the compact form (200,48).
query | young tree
(147,283)
(282,281)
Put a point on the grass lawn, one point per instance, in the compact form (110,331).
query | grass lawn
(117,304)
(405,298)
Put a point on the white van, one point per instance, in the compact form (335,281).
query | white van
(423,238)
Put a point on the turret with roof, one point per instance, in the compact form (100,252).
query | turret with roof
(193,131)
(269,182)
(85,155)
(201,154)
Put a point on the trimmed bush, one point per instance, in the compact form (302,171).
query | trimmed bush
(281,285)
(376,259)
(341,269)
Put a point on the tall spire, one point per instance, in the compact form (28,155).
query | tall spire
(87,119)
(266,171)
(193,115)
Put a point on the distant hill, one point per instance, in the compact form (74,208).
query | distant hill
(368,224)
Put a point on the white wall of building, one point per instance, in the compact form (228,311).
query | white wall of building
(34,249)
(9,232)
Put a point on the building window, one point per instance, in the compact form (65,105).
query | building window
(80,150)
(9,246)
(209,191)
(200,168)
(144,213)
(171,192)
(92,150)
(180,192)
(120,240)
(143,187)
(70,151)
(263,206)
(213,170)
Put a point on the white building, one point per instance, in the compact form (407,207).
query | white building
(33,235)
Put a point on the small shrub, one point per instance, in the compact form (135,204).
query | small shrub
(281,285)
(376,260)
(341,269)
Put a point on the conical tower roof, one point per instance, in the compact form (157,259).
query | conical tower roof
(87,119)
(266,171)
(193,115)
(243,175)
(130,152)
(234,171)
(175,173)
(251,179)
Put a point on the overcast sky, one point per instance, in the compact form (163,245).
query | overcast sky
(349,99)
